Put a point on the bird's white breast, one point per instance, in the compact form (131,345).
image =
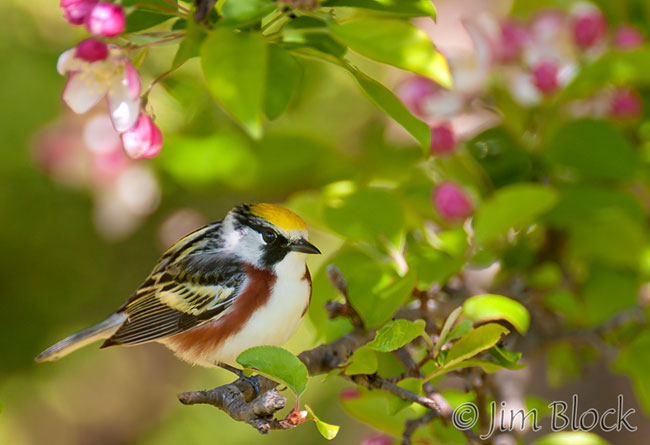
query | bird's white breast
(278,319)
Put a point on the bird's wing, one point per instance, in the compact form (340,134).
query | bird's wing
(192,283)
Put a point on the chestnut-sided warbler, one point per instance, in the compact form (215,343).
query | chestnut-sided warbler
(234,284)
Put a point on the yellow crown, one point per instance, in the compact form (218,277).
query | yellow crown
(279,216)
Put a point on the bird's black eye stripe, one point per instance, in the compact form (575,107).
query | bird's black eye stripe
(269,236)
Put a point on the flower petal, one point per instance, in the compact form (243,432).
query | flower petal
(81,94)
(132,81)
(123,108)
(65,59)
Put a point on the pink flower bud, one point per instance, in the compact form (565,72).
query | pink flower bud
(443,139)
(91,50)
(377,439)
(452,202)
(75,11)
(105,19)
(415,91)
(349,394)
(513,38)
(545,76)
(143,140)
(626,104)
(628,37)
(589,28)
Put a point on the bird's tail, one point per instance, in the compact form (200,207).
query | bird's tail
(100,331)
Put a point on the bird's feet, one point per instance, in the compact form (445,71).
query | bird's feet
(239,373)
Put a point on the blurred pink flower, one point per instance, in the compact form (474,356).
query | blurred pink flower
(106,20)
(545,76)
(626,104)
(415,91)
(628,37)
(514,37)
(451,201)
(349,394)
(143,140)
(75,11)
(589,27)
(91,79)
(443,139)
(378,439)
(91,50)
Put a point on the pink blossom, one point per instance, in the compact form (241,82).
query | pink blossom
(545,76)
(451,201)
(90,80)
(415,91)
(626,104)
(443,139)
(349,394)
(75,11)
(377,439)
(106,20)
(628,37)
(144,140)
(91,50)
(589,28)
(513,38)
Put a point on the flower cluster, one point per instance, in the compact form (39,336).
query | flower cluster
(98,70)
(533,61)
(85,152)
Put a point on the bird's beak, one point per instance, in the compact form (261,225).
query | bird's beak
(303,246)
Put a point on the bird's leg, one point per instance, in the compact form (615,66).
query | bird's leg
(239,373)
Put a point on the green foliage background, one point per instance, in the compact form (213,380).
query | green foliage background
(584,181)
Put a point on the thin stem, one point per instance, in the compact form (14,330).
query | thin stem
(160,8)
(145,96)
(175,4)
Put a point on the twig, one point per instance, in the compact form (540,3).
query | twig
(412,425)
(346,309)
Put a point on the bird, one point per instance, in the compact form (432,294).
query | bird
(229,286)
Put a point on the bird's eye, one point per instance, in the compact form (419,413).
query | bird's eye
(269,236)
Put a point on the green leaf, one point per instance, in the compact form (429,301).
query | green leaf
(446,328)
(234,65)
(459,330)
(395,43)
(190,46)
(571,438)
(593,150)
(513,206)
(326,430)
(143,18)
(602,284)
(477,340)
(504,160)
(376,306)
(370,408)
(403,8)
(362,361)
(396,334)
(490,307)
(277,363)
(583,202)
(239,13)
(355,215)
(634,361)
(313,33)
(223,157)
(386,101)
(485,365)
(283,75)
(396,404)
